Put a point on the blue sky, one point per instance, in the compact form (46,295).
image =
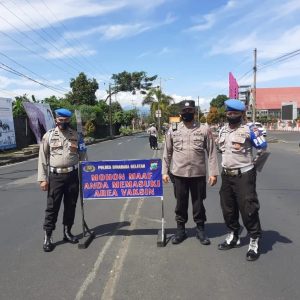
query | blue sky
(191,45)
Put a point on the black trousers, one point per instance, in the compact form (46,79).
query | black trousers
(153,141)
(183,186)
(61,186)
(238,195)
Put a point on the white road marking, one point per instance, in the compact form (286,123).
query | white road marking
(23,181)
(119,261)
(92,275)
(120,143)
(18,163)
(114,275)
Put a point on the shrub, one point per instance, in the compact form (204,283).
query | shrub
(125,131)
(89,128)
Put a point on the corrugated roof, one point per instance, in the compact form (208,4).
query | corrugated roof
(272,98)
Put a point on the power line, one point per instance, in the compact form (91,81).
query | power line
(41,36)
(74,38)
(36,43)
(35,53)
(280,59)
(62,89)
(15,72)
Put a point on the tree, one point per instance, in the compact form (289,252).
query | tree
(83,90)
(213,116)
(218,101)
(17,106)
(128,115)
(131,82)
(158,100)
(203,119)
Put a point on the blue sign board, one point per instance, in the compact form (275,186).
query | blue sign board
(121,179)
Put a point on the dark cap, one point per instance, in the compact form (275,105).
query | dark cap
(186,104)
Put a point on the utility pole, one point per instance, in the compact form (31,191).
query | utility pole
(198,111)
(254,86)
(110,117)
(159,114)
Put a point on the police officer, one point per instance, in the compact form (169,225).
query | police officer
(238,189)
(184,157)
(60,151)
(153,136)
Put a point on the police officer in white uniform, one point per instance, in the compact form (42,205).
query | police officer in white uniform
(60,151)
(184,157)
(238,191)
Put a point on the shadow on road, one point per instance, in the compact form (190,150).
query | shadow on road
(270,238)
(212,229)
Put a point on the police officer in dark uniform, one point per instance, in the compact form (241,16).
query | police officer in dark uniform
(60,151)
(184,157)
(238,190)
(153,134)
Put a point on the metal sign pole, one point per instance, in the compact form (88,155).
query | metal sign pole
(86,239)
(161,236)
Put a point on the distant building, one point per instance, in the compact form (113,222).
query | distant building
(269,101)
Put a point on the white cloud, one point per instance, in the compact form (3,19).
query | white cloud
(38,15)
(119,31)
(206,23)
(164,50)
(287,69)
(109,32)
(69,52)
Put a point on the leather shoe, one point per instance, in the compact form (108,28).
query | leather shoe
(179,237)
(48,245)
(253,250)
(68,236)
(202,237)
(232,241)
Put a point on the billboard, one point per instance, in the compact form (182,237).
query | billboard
(40,118)
(121,179)
(7,128)
(288,111)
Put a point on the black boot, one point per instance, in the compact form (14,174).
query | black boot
(232,241)
(48,245)
(68,236)
(201,236)
(180,235)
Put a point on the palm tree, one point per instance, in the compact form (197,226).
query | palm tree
(158,100)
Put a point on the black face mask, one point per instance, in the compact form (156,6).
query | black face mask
(234,120)
(187,117)
(63,125)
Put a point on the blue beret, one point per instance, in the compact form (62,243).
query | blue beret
(62,112)
(234,104)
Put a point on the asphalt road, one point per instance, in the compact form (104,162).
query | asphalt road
(123,262)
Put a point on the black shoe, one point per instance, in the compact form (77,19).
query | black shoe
(179,236)
(253,250)
(68,236)
(232,241)
(201,236)
(48,245)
